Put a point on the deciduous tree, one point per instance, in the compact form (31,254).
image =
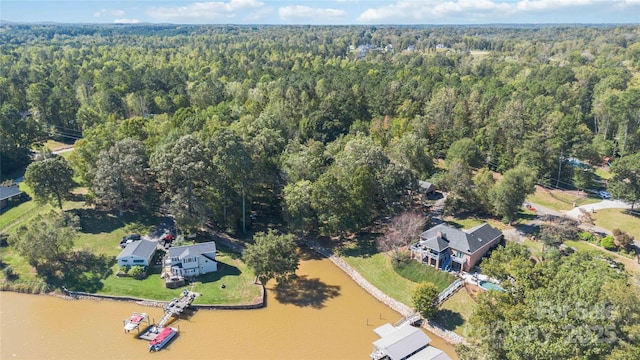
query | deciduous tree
(424,299)
(51,180)
(272,256)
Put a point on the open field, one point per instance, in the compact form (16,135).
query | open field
(616,219)
(560,200)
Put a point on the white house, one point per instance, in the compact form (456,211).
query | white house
(404,342)
(192,260)
(137,253)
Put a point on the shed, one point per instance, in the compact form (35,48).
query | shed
(137,253)
(7,193)
(426,187)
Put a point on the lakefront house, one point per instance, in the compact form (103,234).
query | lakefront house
(452,249)
(192,260)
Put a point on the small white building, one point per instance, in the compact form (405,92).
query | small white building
(404,342)
(192,260)
(137,253)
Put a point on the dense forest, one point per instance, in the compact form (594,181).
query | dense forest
(326,126)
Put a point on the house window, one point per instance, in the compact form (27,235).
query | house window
(459,254)
(138,261)
(125,260)
(188,260)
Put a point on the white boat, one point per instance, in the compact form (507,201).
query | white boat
(163,338)
(134,321)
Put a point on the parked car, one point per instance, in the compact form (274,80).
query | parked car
(604,194)
(126,240)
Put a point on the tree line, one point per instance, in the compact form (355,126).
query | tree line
(214,120)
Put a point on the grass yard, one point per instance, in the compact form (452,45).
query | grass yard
(19,213)
(616,219)
(417,273)
(559,200)
(535,247)
(237,278)
(55,145)
(377,269)
(603,174)
(454,313)
(470,222)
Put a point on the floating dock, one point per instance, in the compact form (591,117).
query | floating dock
(173,309)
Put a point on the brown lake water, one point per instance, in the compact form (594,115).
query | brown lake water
(325,317)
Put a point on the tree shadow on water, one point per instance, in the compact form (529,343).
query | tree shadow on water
(305,292)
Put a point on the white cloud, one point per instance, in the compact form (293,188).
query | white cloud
(473,10)
(203,10)
(126,21)
(105,12)
(258,14)
(299,12)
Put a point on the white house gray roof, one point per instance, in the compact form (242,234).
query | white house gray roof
(192,250)
(7,192)
(140,248)
(468,242)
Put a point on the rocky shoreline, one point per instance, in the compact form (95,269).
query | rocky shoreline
(404,310)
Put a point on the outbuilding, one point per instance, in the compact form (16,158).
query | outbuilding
(137,253)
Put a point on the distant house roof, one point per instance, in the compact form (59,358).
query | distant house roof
(402,342)
(140,248)
(442,236)
(426,187)
(7,192)
(192,250)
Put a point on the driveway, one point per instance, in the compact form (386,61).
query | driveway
(604,204)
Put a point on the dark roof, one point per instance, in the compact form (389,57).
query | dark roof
(7,192)
(437,243)
(467,242)
(485,232)
(192,250)
(140,248)
(427,187)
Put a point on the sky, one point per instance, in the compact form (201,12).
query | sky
(323,12)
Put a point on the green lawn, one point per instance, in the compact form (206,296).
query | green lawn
(616,219)
(559,200)
(237,278)
(535,247)
(97,244)
(417,273)
(603,174)
(19,213)
(454,313)
(377,269)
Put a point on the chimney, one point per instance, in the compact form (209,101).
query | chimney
(440,235)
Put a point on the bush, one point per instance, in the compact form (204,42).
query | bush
(9,274)
(586,236)
(138,272)
(608,243)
